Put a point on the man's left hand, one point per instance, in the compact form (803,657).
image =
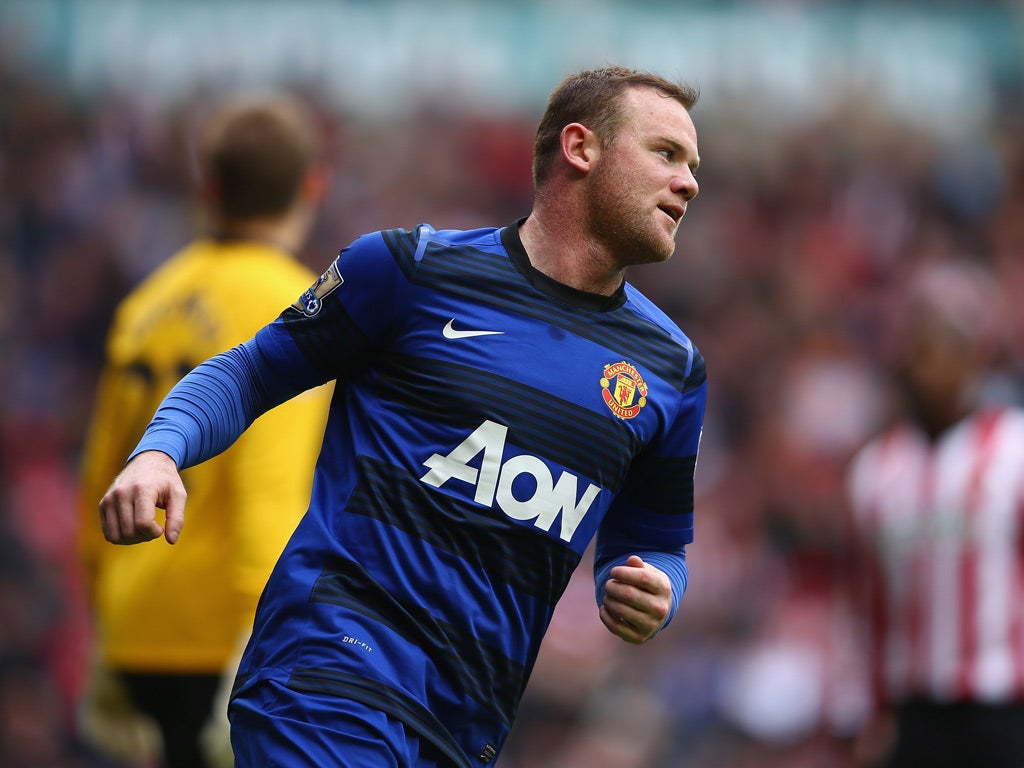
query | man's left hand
(637,601)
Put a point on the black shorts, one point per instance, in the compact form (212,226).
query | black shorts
(959,735)
(180,705)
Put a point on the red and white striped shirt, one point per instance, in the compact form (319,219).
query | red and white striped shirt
(942,522)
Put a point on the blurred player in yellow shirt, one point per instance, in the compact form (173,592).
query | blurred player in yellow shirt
(168,622)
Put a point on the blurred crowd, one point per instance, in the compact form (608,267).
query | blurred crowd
(787,269)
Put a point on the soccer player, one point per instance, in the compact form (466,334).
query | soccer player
(168,622)
(503,396)
(938,506)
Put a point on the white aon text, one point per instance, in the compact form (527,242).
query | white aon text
(495,477)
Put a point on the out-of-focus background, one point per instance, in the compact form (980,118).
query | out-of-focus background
(841,144)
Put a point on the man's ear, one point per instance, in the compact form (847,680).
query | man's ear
(315,184)
(580,147)
(208,188)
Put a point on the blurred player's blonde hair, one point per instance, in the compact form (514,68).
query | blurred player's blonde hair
(254,154)
(594,98)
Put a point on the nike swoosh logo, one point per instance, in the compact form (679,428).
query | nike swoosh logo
(451,333)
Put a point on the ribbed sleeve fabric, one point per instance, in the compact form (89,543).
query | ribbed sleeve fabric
(212,405)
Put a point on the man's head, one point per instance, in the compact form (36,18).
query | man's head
(596,99)
(255,156)
(616,157)
(946,337)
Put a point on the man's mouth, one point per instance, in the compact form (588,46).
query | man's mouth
(675,212)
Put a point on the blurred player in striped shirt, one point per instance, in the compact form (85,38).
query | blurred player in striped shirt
(937,504)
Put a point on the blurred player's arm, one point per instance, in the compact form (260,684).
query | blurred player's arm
(103,455)
(862,592)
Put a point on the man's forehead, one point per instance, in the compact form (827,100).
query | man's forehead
(644,101)
(642,95)
(653,111)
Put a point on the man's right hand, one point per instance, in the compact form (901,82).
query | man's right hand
(128,509)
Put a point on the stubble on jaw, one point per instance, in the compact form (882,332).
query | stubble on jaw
(624,225)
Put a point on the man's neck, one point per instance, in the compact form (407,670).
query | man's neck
(282,233)
(562,249)
(936,421)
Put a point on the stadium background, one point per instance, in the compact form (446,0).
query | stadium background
(840,143)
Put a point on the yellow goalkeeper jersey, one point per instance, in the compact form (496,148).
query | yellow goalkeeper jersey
(181,608)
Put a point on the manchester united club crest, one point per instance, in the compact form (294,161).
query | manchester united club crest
(623,389)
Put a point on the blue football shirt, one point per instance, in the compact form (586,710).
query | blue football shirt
(487,423)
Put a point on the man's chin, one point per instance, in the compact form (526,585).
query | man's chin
(654,255)
(664,249)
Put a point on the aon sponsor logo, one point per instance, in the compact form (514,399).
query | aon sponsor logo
(495,477)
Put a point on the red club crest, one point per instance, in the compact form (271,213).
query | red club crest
(623,389)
